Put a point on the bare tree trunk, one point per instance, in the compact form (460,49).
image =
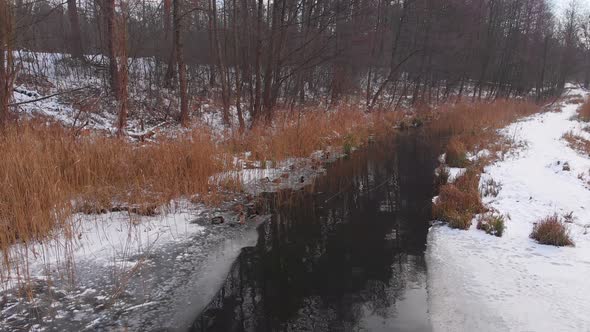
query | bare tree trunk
(220,56)
(211,43)
(123,73)
(6,74)
(394,67)
(109,6)
(75,35)
(272,52)
(257,64)
(236,66)
(172,57)
(184,120)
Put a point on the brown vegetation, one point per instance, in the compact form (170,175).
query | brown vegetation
(456,153)
(475,124)
(50,173)
(472,127)
(458,202)
(552,231)
(491,223)
(298,134)
(47,174)
(584,111)
(577,142)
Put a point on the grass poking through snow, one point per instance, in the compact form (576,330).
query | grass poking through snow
(584,112)
(551,231)
(577,142)
(473,127)
(459,202)
(491,223)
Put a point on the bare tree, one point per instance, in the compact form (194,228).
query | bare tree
(122,74)
(111,36)
(6,61)
(184,119)
(77,51)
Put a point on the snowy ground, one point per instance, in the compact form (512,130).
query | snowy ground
(479,282)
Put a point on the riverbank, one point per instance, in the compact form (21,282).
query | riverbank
(487,283)
(125,270)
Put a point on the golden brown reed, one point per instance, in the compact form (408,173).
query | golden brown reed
(472,127)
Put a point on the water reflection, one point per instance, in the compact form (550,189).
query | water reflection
(345,255)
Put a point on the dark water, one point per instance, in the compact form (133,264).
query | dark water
(345,255)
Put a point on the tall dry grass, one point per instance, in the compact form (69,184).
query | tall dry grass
(577,142)
(299,133)
(476,123)
(584,111)
(551,231)
(47,174)
(472,127)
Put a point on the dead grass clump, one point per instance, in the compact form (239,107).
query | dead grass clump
(584,111)
(460,201)
(299,133)
(490,188)
(456,153)
(577,142)
(552,231)
(456,207)
(491,223)
(469,181)
(441,177)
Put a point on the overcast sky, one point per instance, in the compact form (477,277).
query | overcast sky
(560,4)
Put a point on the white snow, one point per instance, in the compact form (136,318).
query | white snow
(455,173)
(109,239)
(479,282)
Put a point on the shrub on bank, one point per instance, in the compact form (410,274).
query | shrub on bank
(492,224)
(584,111)
(456,153)
(441,177)
(552,231)
(457,206)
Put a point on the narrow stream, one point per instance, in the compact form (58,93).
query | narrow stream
(347,254)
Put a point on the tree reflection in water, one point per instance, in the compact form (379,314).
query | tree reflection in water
(346,254)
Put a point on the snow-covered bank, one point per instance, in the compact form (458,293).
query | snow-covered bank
(484,283)
(169,265)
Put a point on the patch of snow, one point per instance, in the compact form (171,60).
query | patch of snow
(480,154)
(479,282)
(455,173)
(114,238)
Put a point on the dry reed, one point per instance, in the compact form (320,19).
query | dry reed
(584,111)
(47,174)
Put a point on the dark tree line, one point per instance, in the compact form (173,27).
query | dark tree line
(261,55)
